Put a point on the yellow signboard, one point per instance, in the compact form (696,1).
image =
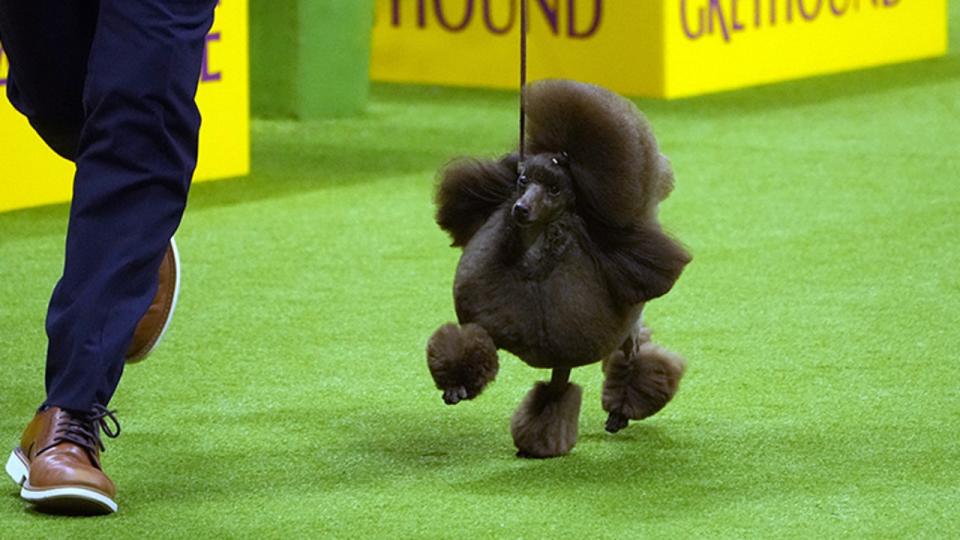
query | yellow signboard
(718,45)
(656,48)
(34,175)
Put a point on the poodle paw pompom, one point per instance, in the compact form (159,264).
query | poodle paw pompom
(463,360)
(638,385)
(546,423)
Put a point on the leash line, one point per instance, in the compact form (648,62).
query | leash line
(523,81)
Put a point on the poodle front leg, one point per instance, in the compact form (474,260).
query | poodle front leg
(546,423)
(462,360)
(640,379)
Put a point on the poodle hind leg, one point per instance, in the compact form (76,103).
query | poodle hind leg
(462,361)
(641,378)
(546,423)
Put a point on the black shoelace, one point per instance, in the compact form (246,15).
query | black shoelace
(84,431)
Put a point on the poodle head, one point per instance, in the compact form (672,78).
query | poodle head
(545,190)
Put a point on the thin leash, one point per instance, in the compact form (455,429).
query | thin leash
(523,84)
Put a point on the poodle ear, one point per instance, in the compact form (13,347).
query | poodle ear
(469,191)
(642,263)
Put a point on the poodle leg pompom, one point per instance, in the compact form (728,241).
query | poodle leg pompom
(462,360)
(546,423)
(639,383)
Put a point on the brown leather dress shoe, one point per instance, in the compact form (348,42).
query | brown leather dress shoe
(57,463)
(155,321)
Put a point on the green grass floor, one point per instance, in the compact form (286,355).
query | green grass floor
(291,398)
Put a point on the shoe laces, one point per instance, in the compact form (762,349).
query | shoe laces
(84,430)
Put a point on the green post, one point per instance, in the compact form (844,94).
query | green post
(309,59)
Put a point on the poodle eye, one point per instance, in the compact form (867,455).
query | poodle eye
(554,189)
(522,182)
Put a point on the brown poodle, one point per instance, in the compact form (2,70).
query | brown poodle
(558,261)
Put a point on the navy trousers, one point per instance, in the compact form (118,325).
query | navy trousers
(109,84)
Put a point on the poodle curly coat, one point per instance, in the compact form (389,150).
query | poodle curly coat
(560,254)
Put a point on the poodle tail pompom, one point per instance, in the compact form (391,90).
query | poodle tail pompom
(547,421)
(462,361)
(640,383)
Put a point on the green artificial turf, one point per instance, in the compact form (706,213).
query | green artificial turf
(291,398)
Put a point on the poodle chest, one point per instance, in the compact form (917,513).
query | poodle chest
(545,302)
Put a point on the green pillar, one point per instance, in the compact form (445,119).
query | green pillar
(309,59)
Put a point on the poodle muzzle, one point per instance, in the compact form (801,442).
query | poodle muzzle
(528,209)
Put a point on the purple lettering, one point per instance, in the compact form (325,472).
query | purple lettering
(717,9)
(552,14)
(572,24)
(205,74)
(580,25)
(734,19)
(421,13)
(724,18)
(442,18)
(488,17)
(806,14)
(685,22)
(837,11)
(3,80)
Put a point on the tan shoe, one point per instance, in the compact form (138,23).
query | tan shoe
(57,463)
(155,321)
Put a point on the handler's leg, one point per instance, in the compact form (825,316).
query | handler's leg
(135,158)
(48,44)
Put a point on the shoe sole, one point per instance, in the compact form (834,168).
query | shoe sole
(16,468)
(60,500)
(142,355)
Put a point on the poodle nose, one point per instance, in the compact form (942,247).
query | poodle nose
(521,213)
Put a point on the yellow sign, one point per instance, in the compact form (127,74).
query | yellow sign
(656,48)
(718,45)
(34,175)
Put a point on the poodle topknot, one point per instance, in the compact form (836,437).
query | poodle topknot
(560,254)
(621,176)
